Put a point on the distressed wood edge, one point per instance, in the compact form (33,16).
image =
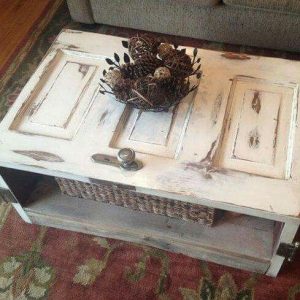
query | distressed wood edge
(246,263)
(22,213)
(287,235)
(40,155)
(235,56)
(40,169)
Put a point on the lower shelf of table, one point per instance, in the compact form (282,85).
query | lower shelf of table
(237,240)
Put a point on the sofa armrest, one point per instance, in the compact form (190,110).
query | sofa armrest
(81,11)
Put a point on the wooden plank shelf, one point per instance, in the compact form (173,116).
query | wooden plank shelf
(236,240)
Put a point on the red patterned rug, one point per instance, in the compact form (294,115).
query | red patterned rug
(45,263)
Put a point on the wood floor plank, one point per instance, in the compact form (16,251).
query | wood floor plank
(17,18)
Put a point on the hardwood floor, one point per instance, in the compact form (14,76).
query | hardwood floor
(17,18)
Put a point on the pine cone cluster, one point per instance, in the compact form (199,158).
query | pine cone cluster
(156,79)
(143,44)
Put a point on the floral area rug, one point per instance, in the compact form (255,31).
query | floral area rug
(44,263)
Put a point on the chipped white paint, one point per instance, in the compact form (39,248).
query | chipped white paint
(287,235)
(58,103)
(159,133)
(191,157)
(233,144)
(21,212)
(260,128)
(3,184)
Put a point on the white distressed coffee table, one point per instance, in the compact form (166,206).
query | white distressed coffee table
(234,145)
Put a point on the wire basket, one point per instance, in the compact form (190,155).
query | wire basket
(155,78)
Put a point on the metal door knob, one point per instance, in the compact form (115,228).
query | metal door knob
(126,157)
(125,160)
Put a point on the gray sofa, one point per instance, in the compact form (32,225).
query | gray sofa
(262,23)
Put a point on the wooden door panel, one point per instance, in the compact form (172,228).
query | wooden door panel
(259,133)
(58,103)
(157,133)
(233,143)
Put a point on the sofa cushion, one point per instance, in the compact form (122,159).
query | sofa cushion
(287,6)
(204,3)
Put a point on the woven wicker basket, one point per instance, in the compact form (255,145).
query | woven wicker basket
(127,197)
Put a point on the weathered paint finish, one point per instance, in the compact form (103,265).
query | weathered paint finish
(234,144)
(256,102)
(49,110)
(40,155)
(261,129)
(237,56)
(157,133)
(216,109)
(219,244)
(236,132)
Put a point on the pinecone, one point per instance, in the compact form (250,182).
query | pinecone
(148,63)
(152,82)
(169,83)
(143,66)
(165,50)
(175,89)
(132,71)
(145,93)
(140,45)
(179,65)
(181,90)
(142,85)
(112,77)
(122,89)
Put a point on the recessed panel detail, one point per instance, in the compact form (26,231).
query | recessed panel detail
(60,99)
(257,133)
(259,130)
(152,128)
(157,133)
(63,93)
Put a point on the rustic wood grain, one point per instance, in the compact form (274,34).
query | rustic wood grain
(40,155)
(17,18)
(237,56)
(244,109)
(191,159)
(221,243)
